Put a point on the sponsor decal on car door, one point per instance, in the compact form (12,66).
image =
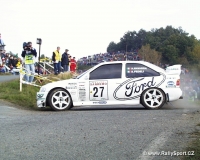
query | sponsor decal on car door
(135,86)
(82,91)
(98,90)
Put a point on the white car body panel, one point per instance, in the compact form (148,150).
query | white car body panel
(120,91)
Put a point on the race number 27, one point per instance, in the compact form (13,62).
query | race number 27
(97,91)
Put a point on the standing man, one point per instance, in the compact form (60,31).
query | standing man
(56,58)
(1,62)
(65,60)
(29,54)
(69,57)
(1,44)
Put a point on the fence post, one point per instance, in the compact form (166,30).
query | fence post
(20,79)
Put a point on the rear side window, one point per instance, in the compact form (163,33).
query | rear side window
(108,71)
(138,70)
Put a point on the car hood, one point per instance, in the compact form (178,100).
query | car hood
(62,83)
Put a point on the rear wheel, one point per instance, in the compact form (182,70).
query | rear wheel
(153,98)
(59,100)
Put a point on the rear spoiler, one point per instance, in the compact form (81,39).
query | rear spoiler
(174,70)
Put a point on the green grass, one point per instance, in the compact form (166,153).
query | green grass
(10,91)
(4,74)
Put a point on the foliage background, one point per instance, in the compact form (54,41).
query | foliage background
(170,45)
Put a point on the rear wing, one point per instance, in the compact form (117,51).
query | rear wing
(174,70)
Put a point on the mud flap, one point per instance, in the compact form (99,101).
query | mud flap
(167,97)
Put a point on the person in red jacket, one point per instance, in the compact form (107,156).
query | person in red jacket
(73,65)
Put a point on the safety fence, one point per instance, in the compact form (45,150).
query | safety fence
(37,77)
(41,79)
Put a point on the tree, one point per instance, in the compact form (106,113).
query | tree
(150,55)
(112,47)
(130,41)
(195,54)
(174,44)
(171,54)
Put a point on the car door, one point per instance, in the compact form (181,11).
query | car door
(103,82)
(138,78)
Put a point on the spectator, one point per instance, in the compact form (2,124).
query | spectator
(1,63)
(19,63)
(12,63)
(40,70)
(2,44)
(56,58)
(73,65)
(2,68)
(69,69)
(65,61)
(3,54)
(15,61)
(29,54)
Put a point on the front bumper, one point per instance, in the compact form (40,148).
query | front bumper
(41,99)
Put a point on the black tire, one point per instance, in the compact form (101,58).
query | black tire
(153,98)
(59,100)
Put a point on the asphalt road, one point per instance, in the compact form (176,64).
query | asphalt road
(95,132)
(4,78)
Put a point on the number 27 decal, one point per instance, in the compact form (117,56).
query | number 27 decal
(96,90)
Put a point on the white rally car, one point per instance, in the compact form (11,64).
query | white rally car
(115,83)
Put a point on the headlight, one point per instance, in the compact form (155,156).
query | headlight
(42,89)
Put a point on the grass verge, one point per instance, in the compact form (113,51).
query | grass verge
(10,91)
(5,74)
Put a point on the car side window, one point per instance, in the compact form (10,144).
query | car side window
(107,71)
(134,70)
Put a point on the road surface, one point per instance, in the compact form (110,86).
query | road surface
(4,78)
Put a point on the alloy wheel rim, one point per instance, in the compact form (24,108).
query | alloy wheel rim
(153,98)
(60,100)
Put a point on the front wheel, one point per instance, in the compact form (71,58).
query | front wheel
(59,100)
(153,98)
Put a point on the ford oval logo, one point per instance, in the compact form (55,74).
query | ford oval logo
(170,83)
(133,87)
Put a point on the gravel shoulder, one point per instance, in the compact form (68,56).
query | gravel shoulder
(181,133)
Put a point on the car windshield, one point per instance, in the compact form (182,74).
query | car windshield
(79,76)
(82,74)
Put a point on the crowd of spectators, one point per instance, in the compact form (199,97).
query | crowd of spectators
(9,62)
(115,56)
(190,86)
